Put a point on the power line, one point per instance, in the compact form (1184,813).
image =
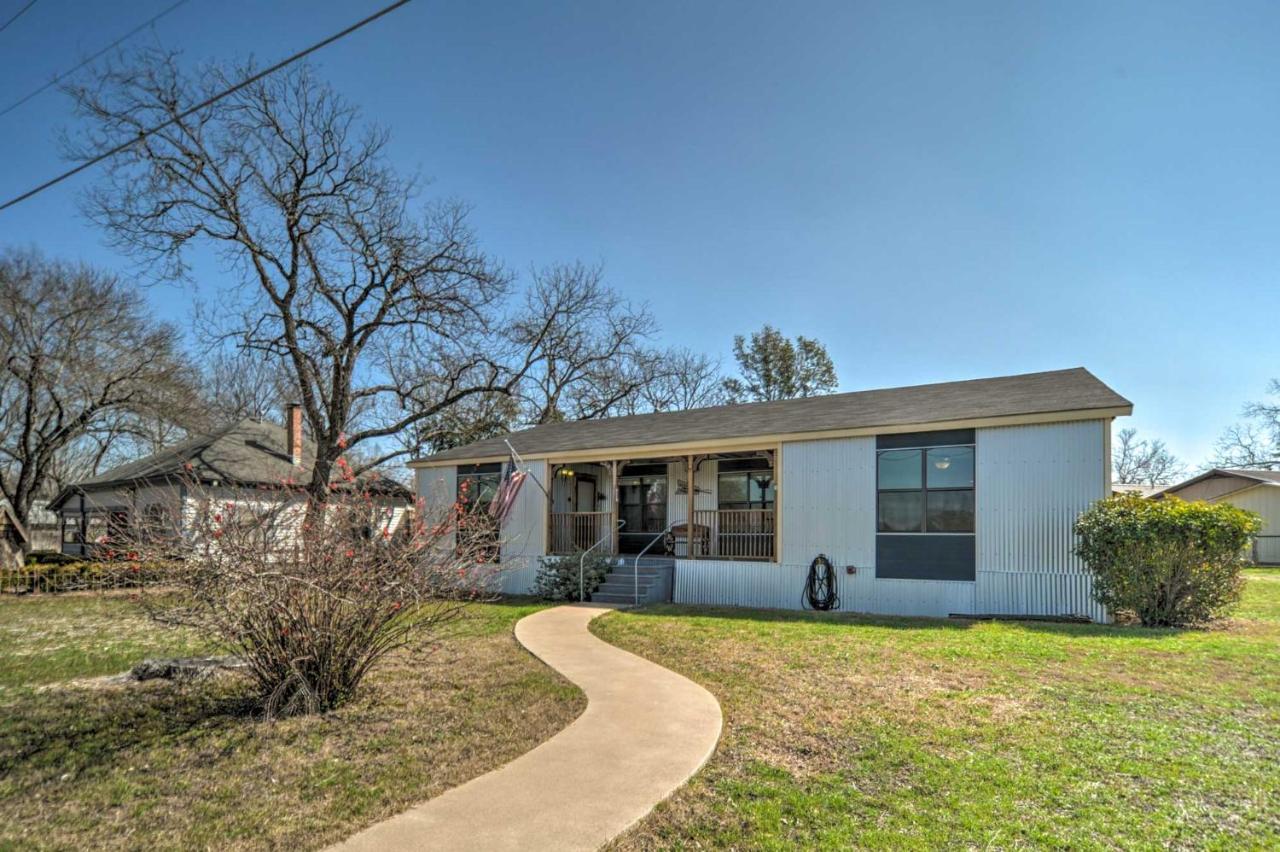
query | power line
(58,79)
(206,102)
(19,14)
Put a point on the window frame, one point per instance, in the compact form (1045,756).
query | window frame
(924,490)
(473,473)
(748,472)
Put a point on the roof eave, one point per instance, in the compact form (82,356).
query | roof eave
(679,447)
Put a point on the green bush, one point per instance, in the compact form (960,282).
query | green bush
(1169,562)
(557,578)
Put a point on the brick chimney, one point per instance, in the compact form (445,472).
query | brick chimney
(293,424)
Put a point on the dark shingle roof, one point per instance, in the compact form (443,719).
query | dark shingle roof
(1032,393)
(1267,477)
(1259,475)
(249,453)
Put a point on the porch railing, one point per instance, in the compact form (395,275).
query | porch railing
(717,533)
(732,534)
(575,531)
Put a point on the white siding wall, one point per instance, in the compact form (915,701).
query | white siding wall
(1265,500)
(437,488)
(1032,483)
(828,495)
(524,533)
(829,501)
(770,586)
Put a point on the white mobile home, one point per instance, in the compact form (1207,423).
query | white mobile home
(929,500)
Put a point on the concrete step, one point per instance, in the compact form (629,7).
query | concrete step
(614,599)
(619,587)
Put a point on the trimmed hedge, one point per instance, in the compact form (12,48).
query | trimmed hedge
(1169,562)
(78,576)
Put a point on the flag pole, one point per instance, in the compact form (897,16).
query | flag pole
(520,461)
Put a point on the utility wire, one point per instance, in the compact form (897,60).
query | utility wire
(386,10)
(65,74)
(19,14)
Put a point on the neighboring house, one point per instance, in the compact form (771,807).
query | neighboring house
(929,500)
(1140,489)
(250,460)
(13,538)
(1255,490)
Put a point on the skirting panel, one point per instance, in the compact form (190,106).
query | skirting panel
(769,586)
(1026,593)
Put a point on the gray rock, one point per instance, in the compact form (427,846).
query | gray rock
(183,668)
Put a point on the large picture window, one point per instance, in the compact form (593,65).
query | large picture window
(925,490)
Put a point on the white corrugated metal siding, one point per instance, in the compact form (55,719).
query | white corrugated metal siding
(829,501)
(768,586)
(1032,483)
(754,584)
(524,533)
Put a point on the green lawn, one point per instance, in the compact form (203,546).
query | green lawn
(159,765)
(848,731)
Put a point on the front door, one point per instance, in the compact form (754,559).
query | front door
(642,505)
(585,529)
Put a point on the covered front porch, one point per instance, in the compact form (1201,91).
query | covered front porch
(630,506)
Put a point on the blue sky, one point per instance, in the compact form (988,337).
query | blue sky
(936,191)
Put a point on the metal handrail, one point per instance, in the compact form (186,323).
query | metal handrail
(582,560)
(635,568)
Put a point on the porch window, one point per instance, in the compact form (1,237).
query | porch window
(745,484)
(477,486)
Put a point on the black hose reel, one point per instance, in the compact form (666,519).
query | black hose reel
(820,586)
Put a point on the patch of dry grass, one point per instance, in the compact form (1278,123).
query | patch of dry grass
(162,765)
(864,732)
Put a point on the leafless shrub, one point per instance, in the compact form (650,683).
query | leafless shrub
(312,595)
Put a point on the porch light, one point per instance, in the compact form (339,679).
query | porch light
(565,472)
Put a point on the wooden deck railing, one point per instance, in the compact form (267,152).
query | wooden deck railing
(717,533)
(575,531)
(733,534)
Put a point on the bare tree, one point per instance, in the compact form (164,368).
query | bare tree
(1256,442)
(684,379)
(1143,462)
(382,315)
(237,385)
(582,346)
(82,358)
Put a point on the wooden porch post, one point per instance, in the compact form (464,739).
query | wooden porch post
(613,504)
(688,538)
(551,508)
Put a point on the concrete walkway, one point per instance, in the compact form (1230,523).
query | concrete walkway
(645,731)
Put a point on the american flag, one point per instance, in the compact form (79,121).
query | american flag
(505,499)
